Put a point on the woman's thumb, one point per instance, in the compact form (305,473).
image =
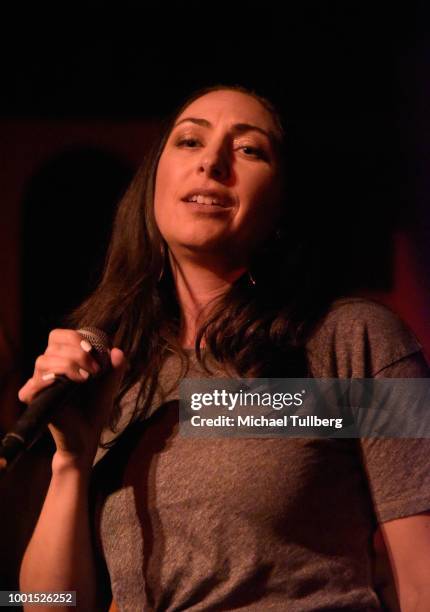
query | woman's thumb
(117,359)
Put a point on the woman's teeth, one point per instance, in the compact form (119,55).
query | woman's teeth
(204,200)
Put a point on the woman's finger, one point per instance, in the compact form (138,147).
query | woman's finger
(79,354)
(61,365)
(29,391)
(64,336)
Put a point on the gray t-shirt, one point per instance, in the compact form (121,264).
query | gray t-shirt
(261,523)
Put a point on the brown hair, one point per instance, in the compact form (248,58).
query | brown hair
(257,330)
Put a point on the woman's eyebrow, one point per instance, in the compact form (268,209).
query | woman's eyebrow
(236,128)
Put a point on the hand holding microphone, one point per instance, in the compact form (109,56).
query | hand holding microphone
(73,359)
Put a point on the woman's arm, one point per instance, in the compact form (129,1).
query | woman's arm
(60,556)
(408,545)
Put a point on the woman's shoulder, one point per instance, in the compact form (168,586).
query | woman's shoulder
(347,314)
(359,337)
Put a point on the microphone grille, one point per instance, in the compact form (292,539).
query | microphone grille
(100,342)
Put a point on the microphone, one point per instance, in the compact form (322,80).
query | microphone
(39,412)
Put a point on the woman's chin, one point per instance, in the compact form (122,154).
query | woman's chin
(205,246)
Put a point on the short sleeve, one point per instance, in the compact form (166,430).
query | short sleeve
(398,470)
(358,338)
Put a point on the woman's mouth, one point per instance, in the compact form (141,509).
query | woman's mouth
(202,199)
(207,203)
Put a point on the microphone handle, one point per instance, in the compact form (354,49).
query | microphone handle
(34,421)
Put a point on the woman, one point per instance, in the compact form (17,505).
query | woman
(204,277)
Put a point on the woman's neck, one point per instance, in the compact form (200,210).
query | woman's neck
(197,287)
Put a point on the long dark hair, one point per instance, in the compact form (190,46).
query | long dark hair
(257,329)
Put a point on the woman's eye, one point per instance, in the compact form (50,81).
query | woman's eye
(190,143)
(253,151)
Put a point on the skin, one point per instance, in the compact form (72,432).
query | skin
(208,252)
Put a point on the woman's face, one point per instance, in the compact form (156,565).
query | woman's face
(218,184)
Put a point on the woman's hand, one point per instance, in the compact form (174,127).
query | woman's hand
(77,426)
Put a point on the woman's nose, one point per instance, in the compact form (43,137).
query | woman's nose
(215,164)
